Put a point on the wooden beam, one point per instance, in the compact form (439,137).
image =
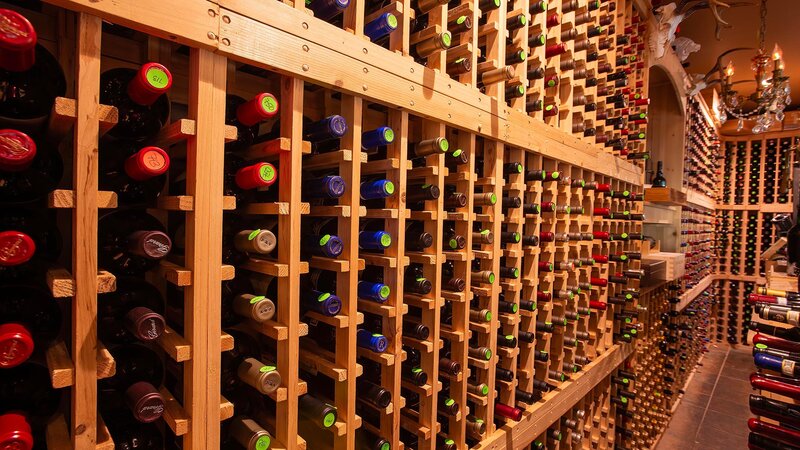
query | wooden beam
(202,310)
(84,233)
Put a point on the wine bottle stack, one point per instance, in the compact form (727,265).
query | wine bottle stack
(632,57)
(671,342)
(579,66)
(752,190)
(36,263)
(589,422)
(697,242)
(701,162)
(733,315)
(775,353)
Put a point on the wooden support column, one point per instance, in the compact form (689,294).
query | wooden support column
(289,253)
(84,233)
(393,276)
(347,283)
(202,307)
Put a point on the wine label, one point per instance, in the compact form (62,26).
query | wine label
(157,77)
(793,318)
(787,367)
(269,104)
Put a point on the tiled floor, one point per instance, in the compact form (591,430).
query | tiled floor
(713,413)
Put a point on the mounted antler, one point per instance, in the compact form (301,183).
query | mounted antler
(670,16)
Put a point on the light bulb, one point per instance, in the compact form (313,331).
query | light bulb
(777,53)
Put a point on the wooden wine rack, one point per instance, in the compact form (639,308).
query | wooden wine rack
(317,69)
(759,198)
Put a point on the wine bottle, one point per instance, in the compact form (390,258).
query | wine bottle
(28,242)
(131,242)
(242,178)
(27,401)
(133,387)
(30,319)
(29,170)
(327,9)
(246,115)
(417,239)
(240,301)
(139,96)
(130,434)
(372,236)
(783,412)
(380,27)
(242,365)
(316,412)
(320,238)
(133,312)
(135,172)
(31,77)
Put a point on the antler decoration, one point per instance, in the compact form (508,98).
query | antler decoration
(670,16)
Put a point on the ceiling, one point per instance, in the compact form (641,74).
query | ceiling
(782,27)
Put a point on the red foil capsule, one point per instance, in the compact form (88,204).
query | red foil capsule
(508,412)
(601,306)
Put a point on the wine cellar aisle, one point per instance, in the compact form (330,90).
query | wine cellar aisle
(369,225)
(714,406)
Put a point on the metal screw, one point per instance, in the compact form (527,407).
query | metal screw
(305,67)
(211,35)
(226,19)
(226,41)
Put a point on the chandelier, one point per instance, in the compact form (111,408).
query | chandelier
(771,95)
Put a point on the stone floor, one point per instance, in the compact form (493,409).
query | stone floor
(713,413)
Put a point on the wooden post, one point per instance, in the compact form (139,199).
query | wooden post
(84,234)
(202,307)
(289,253)
(346,285)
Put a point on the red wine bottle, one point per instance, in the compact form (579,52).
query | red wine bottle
(28,241)
(780,385)
(246,115)
(132,391)
(139,96)
(30,77)
(27,401)
(761,442)
(776,432)
(132,312)
(775,409)
(131,242)
(135,172)
(29,170)
(243,178)
(30,319)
